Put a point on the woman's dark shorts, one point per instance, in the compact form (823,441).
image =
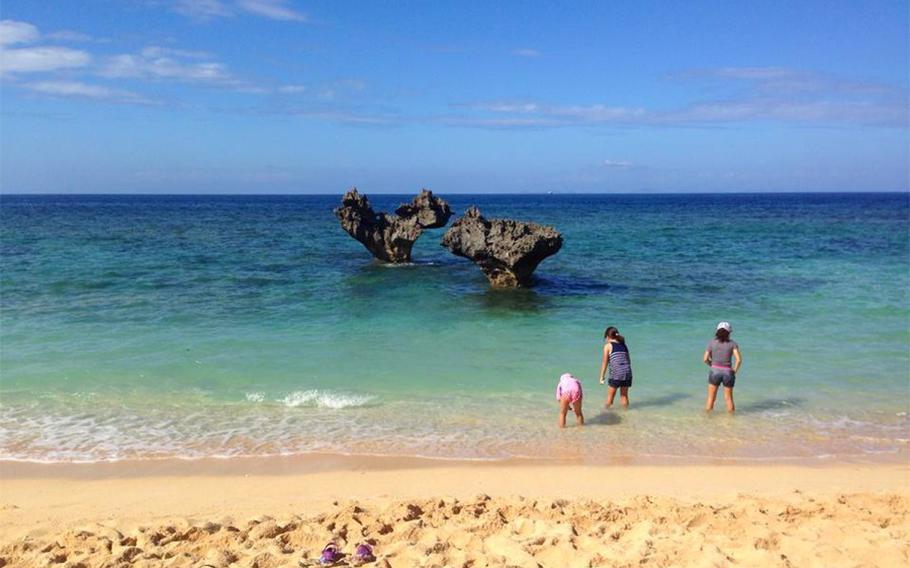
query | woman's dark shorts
(725,376)
(623,381)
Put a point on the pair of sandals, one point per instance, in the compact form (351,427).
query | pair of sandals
(331,555)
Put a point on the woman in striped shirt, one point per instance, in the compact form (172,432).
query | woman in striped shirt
(616,357)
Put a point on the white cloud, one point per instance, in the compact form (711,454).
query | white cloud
(781,80)
(70,35)
(155,51)
(41,59)
(503,123)
(597,113)
(753,73)
(870,113)
(84,90)
(37,59)
(559,114)
(169,64)
(497,106)
(13,32)
(273,9)
(201,8)
(619,164)
(291,89)
(847,112)
(154,63)
(345,86)
(770,94)
(240,87)
(525,52)
(353,85)
(347,117)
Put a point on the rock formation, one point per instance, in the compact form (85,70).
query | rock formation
(506,251)
(429,211)
(391,237)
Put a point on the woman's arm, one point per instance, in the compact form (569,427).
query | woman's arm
(739,359)
(707,357)
(606,359)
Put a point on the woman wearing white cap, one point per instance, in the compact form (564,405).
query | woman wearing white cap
(719,355)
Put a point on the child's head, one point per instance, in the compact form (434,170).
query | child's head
(613,333)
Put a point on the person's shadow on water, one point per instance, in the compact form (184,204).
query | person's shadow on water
(607,418)
(770,404)
(665,400)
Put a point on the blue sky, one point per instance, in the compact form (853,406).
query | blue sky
(294,96)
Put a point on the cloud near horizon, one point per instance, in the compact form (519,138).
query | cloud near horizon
(795,98)
(619,164)
(771,94)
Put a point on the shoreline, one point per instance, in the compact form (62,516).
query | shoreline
(297,464)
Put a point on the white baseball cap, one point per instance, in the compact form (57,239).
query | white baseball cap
(725,325)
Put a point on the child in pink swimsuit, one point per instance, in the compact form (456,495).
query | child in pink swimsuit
(568,392)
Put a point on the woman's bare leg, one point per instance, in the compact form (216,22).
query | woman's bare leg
(624,396)
(712,396)
(563,410)
(579,417)
(728,398)
(611,393)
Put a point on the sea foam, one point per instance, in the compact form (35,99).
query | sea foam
(324,399)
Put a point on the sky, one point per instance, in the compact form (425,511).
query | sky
(298,96)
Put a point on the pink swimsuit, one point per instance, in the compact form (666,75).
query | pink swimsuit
(568,387)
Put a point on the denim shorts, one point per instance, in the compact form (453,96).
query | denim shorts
(725,376)
(620,380)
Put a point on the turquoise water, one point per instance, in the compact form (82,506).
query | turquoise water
(145,327)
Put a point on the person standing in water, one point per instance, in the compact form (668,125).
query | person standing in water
(719,356)
(569,393)
(616,357)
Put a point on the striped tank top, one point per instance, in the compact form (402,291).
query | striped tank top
(620,364)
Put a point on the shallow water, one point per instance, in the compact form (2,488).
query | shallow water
(193,326)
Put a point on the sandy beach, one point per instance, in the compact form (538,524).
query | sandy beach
(281,511)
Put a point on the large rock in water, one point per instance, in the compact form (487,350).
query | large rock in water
(429,211)
(391,237)
(506,251)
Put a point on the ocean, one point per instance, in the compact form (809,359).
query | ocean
(143,327)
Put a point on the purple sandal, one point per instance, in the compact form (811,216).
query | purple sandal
(363,553)
(330,554)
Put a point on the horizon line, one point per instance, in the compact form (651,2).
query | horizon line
(535,193)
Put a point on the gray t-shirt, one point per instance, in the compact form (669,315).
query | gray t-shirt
(721,353)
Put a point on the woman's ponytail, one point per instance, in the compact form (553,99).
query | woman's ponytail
(613,333)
